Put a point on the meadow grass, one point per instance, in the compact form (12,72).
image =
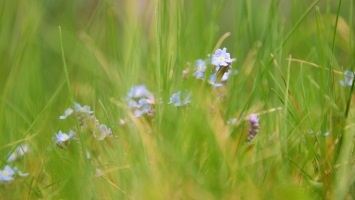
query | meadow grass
(291,56)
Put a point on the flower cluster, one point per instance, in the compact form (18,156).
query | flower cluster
(141,101)
(7,174)
(254,126)
(87,122)
(222,67)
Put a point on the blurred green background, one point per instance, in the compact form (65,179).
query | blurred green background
(188,153)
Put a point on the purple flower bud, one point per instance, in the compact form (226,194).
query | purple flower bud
(254,126)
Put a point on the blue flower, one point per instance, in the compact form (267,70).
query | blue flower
(229,72)
(138,92)
(132,104)
(104,132)
(19,152)
(143,106)
(180,100)
(63,137)
(222,58)
(82,109)
(212,81)
(140,99)
(349,76)
(67,112)
(200,68)
(6,174)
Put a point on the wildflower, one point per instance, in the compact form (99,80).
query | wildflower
(143,106)
(177,100)
(326,134)
(349,76)
(67,112)
(143,96)
(226,76)
(212,81)
(63,137)
(6,174)
(82,109)
(222,58)
(138,92)
(254,126)
(19,152)
(132,104)
(122,122)
(199,69)
(229,72)
(104,132)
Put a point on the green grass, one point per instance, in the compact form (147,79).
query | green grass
(291,55)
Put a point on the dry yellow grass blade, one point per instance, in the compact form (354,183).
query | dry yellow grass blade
(315,65)
(118,188)
(144,129)
(19,141)
(220,41)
